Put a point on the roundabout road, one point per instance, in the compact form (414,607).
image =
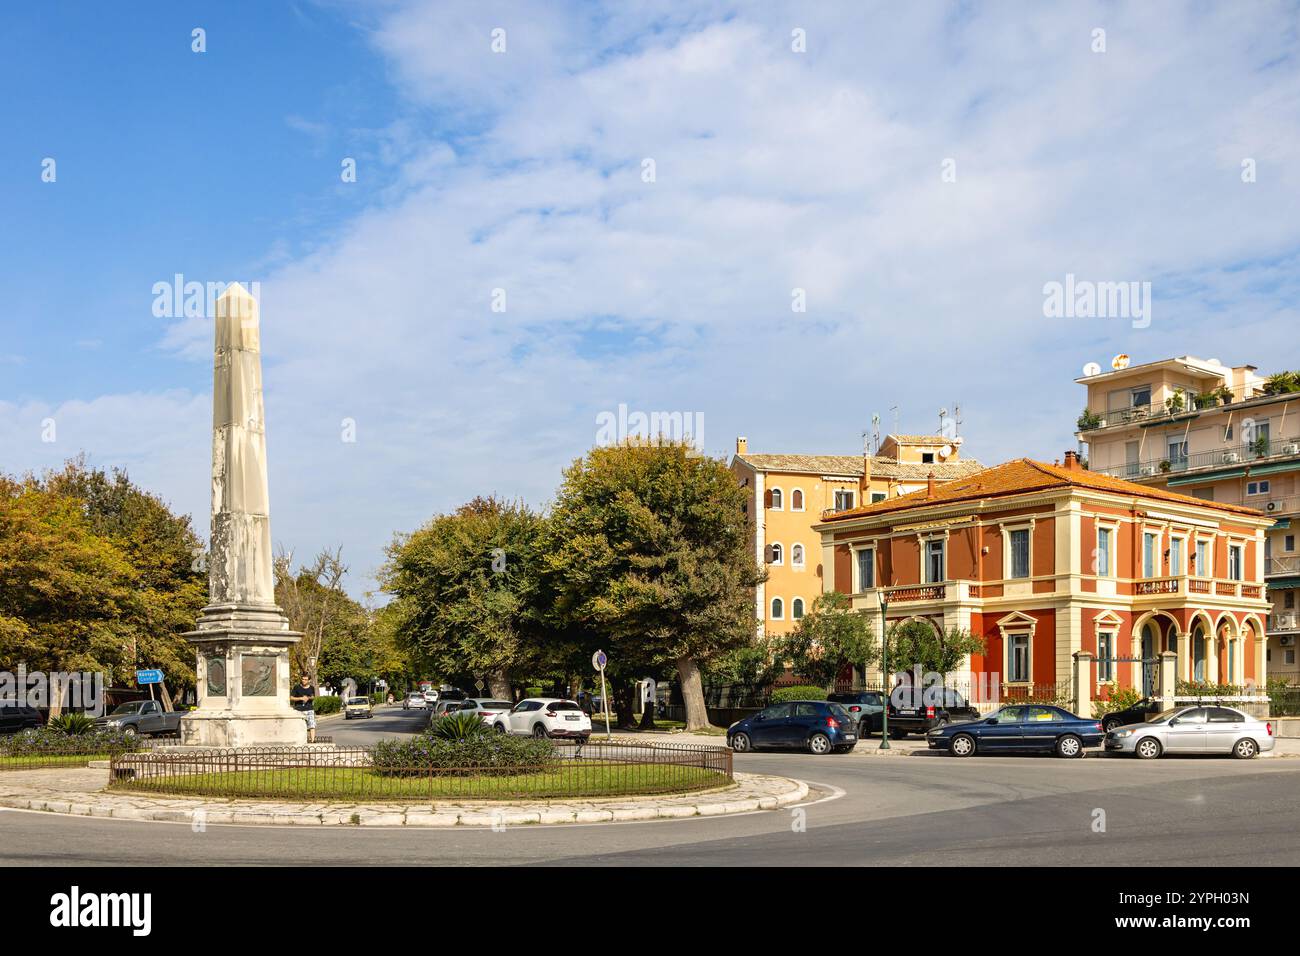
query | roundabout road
(863,810)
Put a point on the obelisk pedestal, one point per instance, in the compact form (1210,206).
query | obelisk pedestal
(242,637)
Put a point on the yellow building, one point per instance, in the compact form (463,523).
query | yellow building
(788,494)
(1224,434)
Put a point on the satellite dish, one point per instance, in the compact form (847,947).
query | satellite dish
(1119,361)
(945,451)
(1091,369)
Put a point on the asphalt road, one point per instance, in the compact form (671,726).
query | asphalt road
(985,811)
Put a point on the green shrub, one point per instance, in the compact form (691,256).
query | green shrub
(326,705)
(481,754)
(798,692)
(1119,699)
(1088,420)
(461,725)
(1205,688)
(51,741)
(72,724)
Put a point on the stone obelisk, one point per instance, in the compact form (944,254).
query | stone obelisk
(243,637)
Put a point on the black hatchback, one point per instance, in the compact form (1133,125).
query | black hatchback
(15,717)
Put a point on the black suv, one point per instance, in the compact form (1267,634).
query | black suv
(866,706)
(1137,714)
(15,717)
(918,710)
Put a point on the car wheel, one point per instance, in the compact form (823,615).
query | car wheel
(1245,749)
(819,744)
(499,728)
(896,734)
(1110,724)
(128,731)
(962,745)
(1148,748)
(539,731)
(740,743)
(864,728)
(1069,746)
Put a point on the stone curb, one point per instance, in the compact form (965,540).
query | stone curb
(752,792)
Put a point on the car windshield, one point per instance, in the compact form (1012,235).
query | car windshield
(357,700)
(564,705)
(131,708)
(1164,715)
(840,711)
(497,704)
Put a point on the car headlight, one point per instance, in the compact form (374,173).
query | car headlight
(1123,733)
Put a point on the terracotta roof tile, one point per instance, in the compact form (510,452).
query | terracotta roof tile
(851,466)
(1024,475)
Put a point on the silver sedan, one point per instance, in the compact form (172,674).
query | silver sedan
(1197,729)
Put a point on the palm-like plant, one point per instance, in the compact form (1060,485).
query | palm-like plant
(459,726)
(72,724)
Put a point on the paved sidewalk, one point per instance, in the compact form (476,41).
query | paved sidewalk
(81,791)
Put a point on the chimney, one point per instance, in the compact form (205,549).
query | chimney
(1072,462)
(742,446)
(864,486)
(929,485)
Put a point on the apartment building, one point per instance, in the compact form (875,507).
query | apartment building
(1218,433)
(789,494)
(1043,561)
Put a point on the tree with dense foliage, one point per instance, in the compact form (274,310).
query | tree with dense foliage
(464,593)
(916,643)
(831,635)
(96,575)
(649,554)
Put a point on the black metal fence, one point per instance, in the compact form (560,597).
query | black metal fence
(349,773)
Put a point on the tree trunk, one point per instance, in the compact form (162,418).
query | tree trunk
(648,717)
(688,674)
(499,685)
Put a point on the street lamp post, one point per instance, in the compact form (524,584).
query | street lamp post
(884,672)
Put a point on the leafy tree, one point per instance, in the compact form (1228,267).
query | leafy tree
(648,553)
(829,636)
(464,589)
(916,643)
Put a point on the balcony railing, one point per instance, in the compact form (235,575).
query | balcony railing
(1234,455)
(1184,584)
(1287,564)
(1181,404)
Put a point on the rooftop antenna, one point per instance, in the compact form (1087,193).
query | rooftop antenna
(894,409)
(875,433)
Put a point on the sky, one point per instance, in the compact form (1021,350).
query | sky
(559,209)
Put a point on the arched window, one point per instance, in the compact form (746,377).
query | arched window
(1198,653)
(778,556)
(796,555)
(796,609)
(796,500)
(776,499)
(778,609)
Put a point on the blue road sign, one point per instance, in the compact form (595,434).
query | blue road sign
(153,676)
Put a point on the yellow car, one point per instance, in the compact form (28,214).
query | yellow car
(357,707)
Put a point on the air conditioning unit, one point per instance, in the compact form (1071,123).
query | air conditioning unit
(1273,506)
(1148,469)
(1286,640)
(1291,449)
(1231,457)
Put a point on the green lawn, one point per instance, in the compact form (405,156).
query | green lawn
(360,783)
(40,761)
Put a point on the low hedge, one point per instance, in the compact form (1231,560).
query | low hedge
(798,692)
(47,741)
(326,705)
(492,753)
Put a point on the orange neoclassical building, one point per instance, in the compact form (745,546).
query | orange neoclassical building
(1045,561)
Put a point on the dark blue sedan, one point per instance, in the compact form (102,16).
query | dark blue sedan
(1020,728)
(818,726)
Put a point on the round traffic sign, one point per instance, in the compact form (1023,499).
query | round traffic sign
(599,660)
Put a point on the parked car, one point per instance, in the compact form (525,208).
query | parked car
(922,709)
(1019,728)
(545,717)
(15,717)
(1194,730)
(867,707)
(442,708)
(126,717)
(819,726)
(414,700)
(1138,713)
(163,723)
(486,708)
(358,707)
(430,697)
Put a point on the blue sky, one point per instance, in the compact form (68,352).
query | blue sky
(522,171)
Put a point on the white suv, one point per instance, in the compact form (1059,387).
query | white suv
(545,717)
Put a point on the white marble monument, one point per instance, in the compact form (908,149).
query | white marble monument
(242,637)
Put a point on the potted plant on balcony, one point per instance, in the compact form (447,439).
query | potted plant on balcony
(1207,399)
(1088,420)
(1174,403)
(1260,446)
(1165,466)
(1224,393)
